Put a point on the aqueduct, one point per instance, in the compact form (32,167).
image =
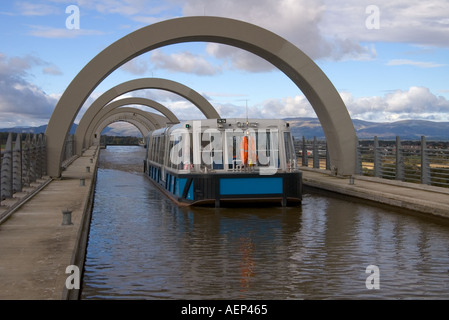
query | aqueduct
(308,77)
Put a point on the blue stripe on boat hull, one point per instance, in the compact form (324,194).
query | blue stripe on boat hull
(250,186)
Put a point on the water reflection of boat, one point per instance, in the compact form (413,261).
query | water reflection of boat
(225,161)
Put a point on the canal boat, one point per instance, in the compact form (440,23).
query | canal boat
(220,162)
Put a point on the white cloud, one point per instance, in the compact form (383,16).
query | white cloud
(184,110)
(47,32)
(420,64)
(52,70)
(335,29)
(331,29)
(126,7)
(21,101)
(147,20)
(135,66)
(238,59)
(183,62)
(297,106)
(36,9)
(414,103)
(403,21)
(296,20)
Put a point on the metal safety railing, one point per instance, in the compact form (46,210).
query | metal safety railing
(312,153)
(22,162)
(422,161)
(69,154)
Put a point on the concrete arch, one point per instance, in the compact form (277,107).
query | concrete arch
(138,122)
(144,83)
(309,78)
(153,121)
(124,117)
(170,117)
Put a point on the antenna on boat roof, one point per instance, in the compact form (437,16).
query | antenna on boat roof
(247,112)
(247,122)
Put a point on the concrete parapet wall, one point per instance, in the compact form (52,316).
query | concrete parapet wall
(410,196)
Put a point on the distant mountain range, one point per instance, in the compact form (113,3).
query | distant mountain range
(41,129)
(406,129)
(311,127)
(36,130)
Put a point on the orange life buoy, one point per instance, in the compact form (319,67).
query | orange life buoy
(248,151)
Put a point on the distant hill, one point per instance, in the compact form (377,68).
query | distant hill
(406,129)
(41,129)
(311,127)
(36,130)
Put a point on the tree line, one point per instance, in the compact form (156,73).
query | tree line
(118,140)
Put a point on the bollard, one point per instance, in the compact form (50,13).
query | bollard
(351,180)
(87,169)
(82,182)
(66,217)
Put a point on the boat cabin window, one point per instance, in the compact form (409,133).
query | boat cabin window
(252,148)
(228,150)
(290,154)
(180,150)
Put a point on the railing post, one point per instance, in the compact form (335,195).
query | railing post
(7,170)
(425,166)
(358,158)
(33,159)
(39,157)
(399,160)
(328,159)
(1,160)
(316,156)
(69,147)
(377,159)
(26,162)
(44,155)
(305,160)
(17,164)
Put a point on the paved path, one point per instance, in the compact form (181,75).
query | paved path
(35,248)
(417,197)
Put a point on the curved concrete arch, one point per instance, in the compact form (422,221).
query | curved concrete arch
(137,84)
(143,129)
(140,124)
(153,121)
(309,78)
(170,117)
(156,121)
(128,113)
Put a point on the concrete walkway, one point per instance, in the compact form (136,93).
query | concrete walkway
(411,196)
(35,248)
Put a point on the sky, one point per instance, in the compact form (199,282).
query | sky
(388,59)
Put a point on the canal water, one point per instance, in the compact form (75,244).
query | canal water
(142,246)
